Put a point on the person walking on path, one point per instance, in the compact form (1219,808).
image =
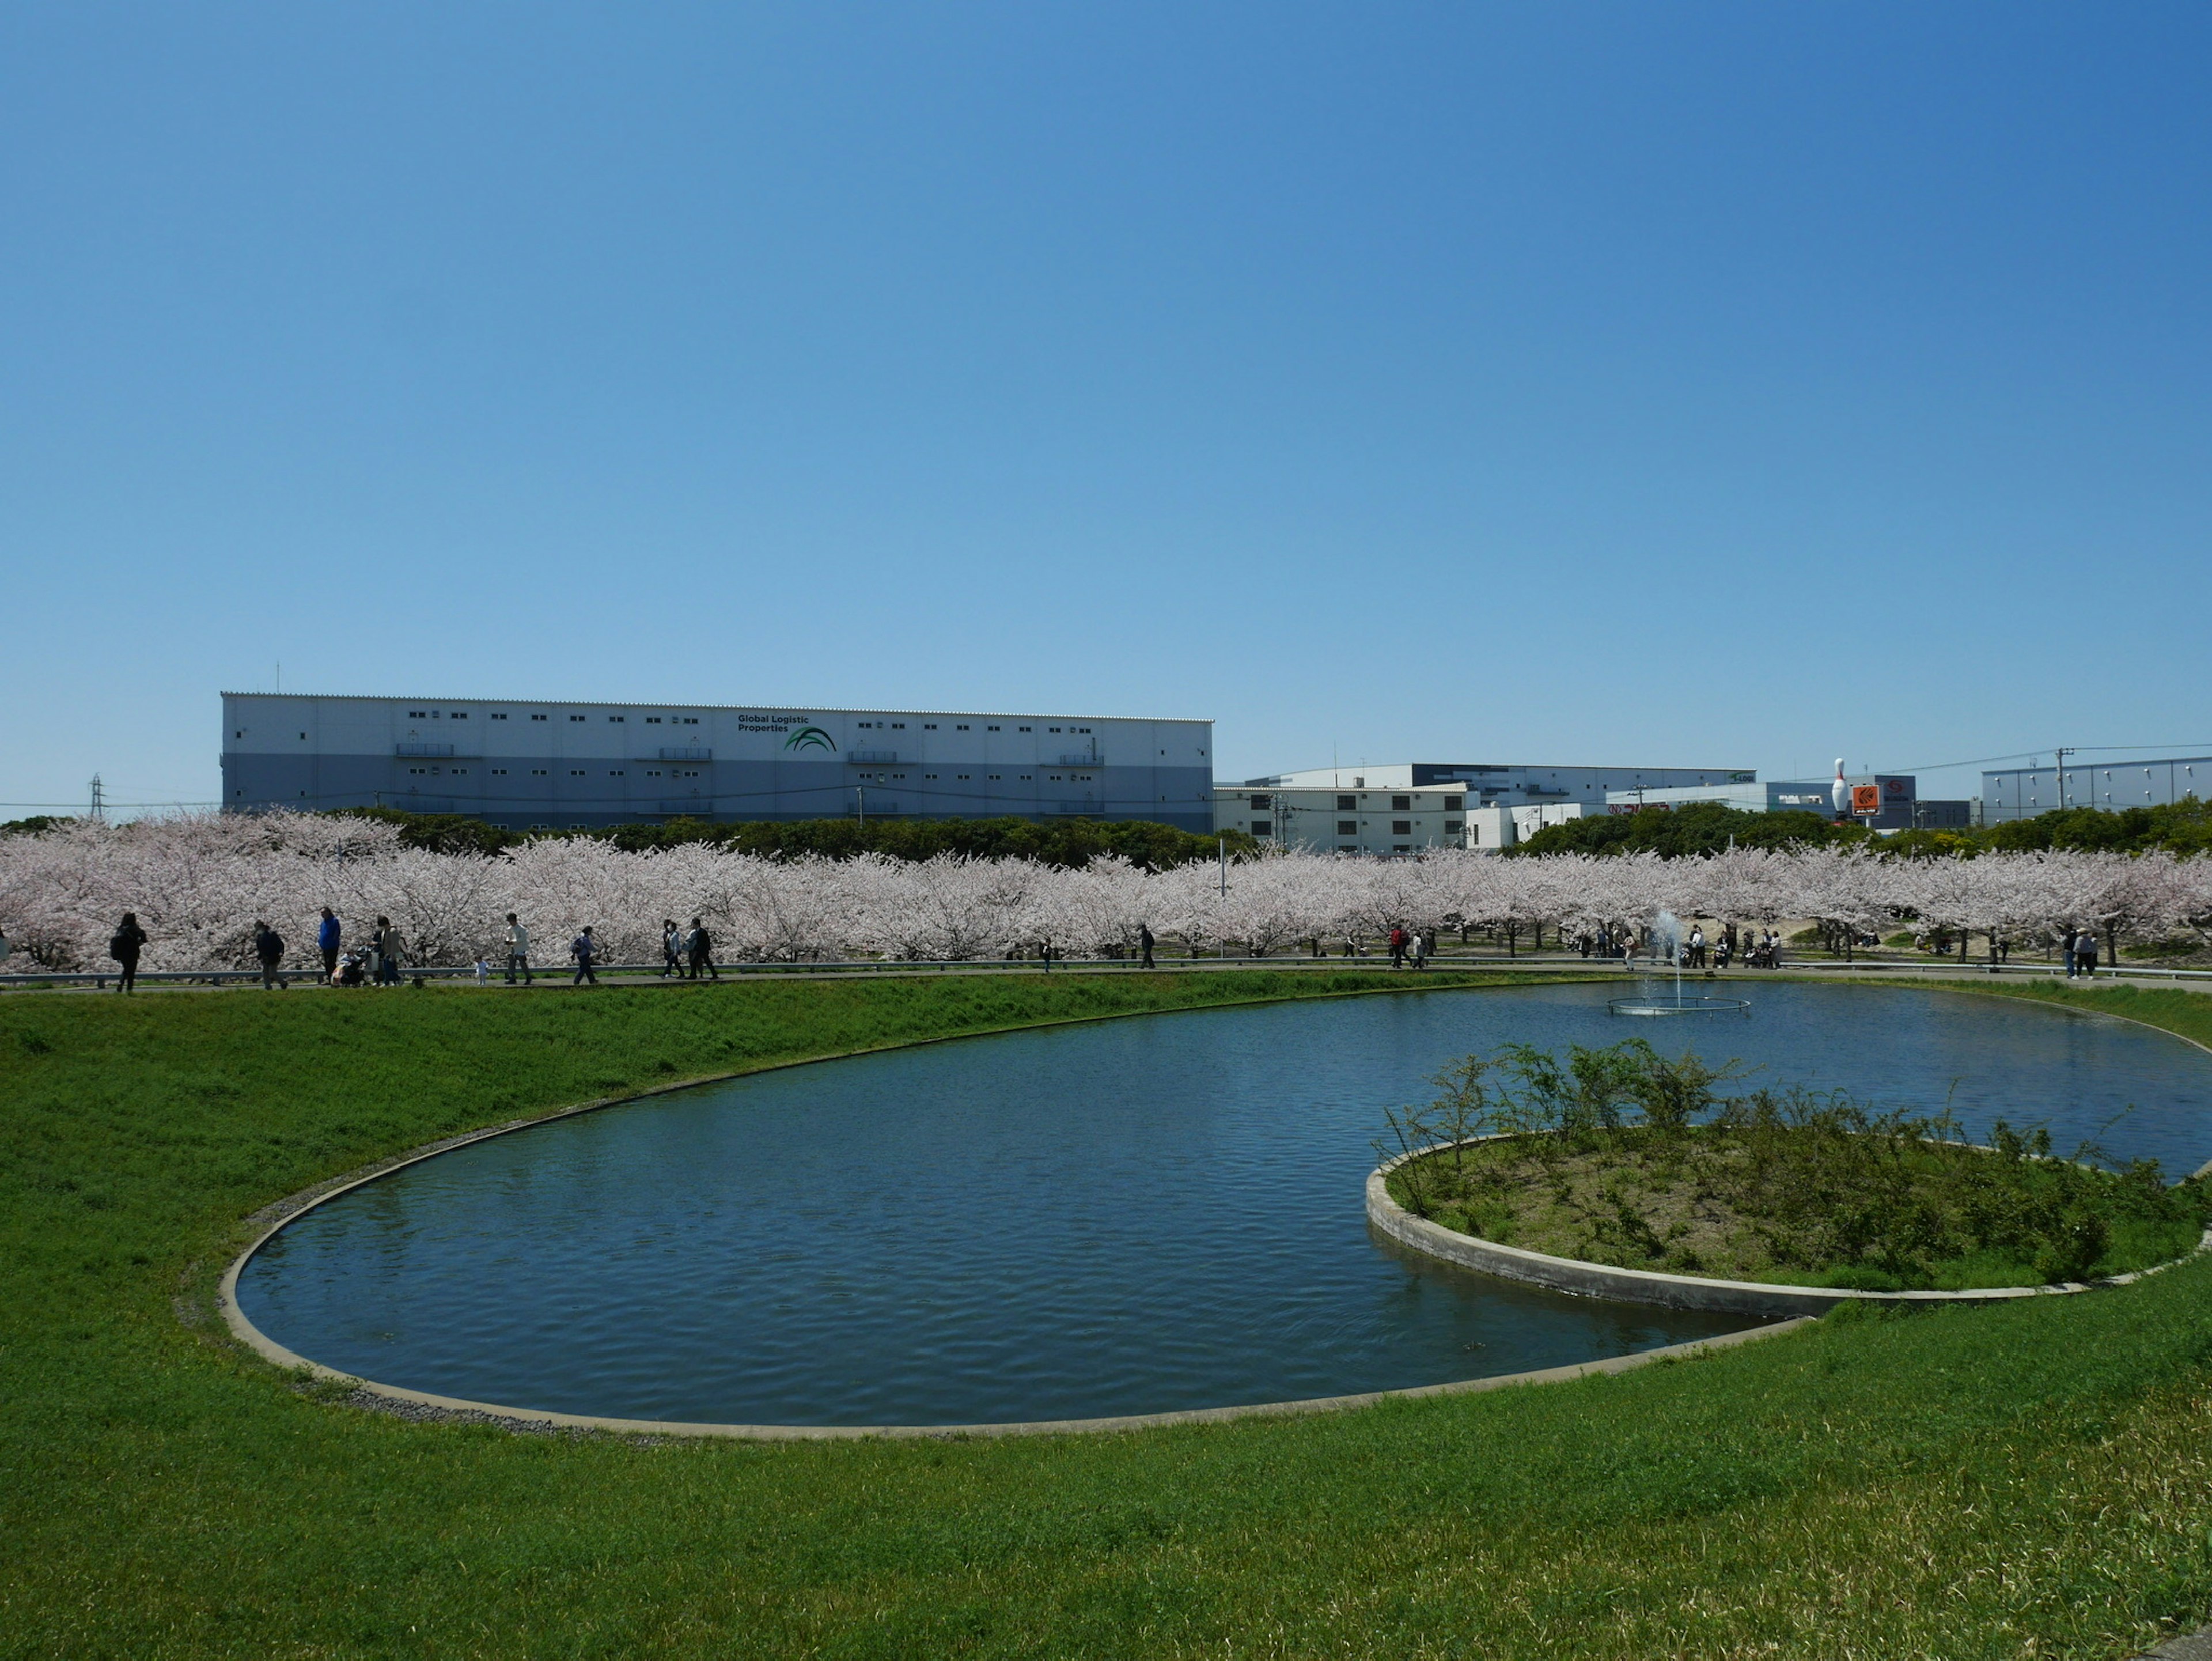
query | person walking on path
(269,950)
(1419,950)
(327,937)
(1397,948)
(518,950)
(1144,944)
(672,961)
(2069,954)
(387,945)
(580,949)
(124,946)
(702,950)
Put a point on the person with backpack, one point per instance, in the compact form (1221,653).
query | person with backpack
(518,950)
(124,946)
(269,950)
(702,945)
(327,938)
(580,949)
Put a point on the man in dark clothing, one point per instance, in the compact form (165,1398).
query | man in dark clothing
(702,945)
(326,942)
(580,949)
(671,963)
(123,947)
(1144,943)
(268,949)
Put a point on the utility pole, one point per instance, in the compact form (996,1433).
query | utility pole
(861,793)
(2061,776)
(98,812)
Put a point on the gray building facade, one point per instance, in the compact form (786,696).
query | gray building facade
(2021,793)
(532,764)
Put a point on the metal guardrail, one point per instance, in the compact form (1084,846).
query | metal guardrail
(1546,963)
(563,969)
(1953,969)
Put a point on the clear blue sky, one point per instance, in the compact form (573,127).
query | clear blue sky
(1673,384)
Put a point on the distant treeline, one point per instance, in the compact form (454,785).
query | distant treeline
(1708,827)
(1067,843)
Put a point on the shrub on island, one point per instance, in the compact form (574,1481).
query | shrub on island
(1624,1157)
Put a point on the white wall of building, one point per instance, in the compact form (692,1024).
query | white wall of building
(1352,821)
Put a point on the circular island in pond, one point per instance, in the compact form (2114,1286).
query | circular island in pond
(1789,1204)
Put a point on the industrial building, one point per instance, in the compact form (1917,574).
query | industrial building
(1776,796)
(1403,807)
(1498,785)
(2021,793)
(1902,808)
(542,765)
(1354,821)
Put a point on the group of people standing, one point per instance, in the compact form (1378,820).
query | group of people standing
(2081,952)
(1762,950)
(686,951)
(1411,946)
(376,962)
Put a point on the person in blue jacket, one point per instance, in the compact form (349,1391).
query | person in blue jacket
(327,938)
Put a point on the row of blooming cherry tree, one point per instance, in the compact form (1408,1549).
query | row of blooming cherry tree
(199,884)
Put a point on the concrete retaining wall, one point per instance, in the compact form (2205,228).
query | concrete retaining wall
(1642,1285)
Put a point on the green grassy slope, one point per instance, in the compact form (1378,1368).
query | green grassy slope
(2033,1478)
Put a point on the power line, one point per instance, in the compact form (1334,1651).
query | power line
(2049,749)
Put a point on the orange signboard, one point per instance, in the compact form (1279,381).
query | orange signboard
(1865,799)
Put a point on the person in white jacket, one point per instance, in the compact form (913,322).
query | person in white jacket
(518,950)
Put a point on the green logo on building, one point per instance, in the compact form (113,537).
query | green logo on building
(810,738)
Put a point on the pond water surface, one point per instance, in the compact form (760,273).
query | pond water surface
(1133,1216)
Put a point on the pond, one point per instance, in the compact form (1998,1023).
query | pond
(1131,1216)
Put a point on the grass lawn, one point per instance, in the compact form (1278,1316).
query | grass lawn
(2029,1479)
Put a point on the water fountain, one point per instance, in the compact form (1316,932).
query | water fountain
(1666,934)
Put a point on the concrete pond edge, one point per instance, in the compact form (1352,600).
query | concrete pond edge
(429,1406)
(1383,1213)
(271,1219)
(1759,1298)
